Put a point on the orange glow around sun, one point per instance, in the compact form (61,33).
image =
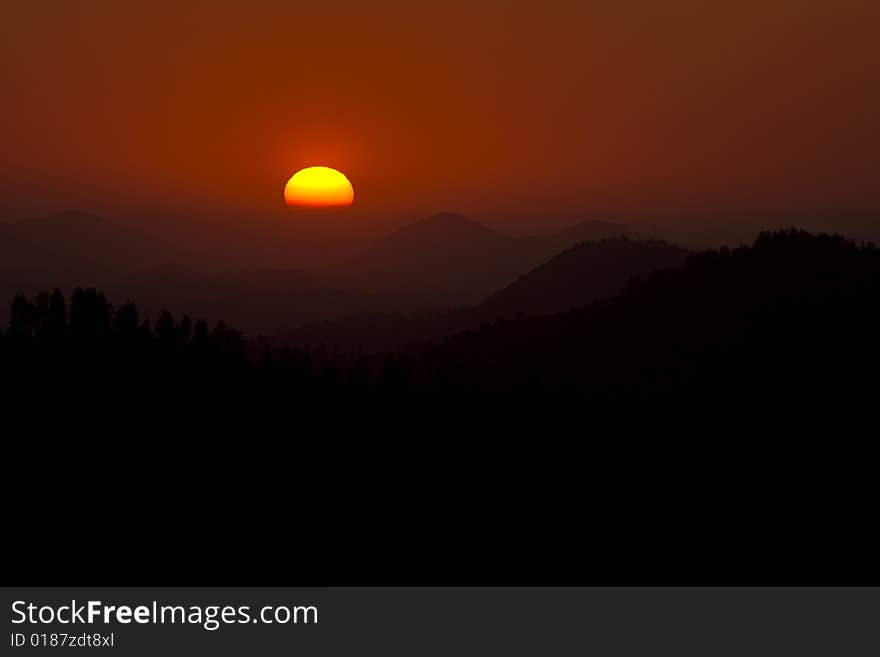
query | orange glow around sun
(318,187)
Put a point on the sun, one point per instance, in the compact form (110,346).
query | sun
(318,187)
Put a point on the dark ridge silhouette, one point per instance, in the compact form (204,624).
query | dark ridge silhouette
(73,249)
(410,271)
(678,407)
(256,301)
(259,300)
(784,324)
(581,274)
(46,335)
(792,319)
(588,230)
(571,279)
(450,255)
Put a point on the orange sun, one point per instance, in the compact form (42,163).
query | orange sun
(318,187)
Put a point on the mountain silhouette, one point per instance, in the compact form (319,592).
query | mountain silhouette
(588,230)
(444,254)
(451,255)
(255,300)
(581,274)
(789,322)
(76,243)
(572,279)
(440,262)
(71,249)
(636,391)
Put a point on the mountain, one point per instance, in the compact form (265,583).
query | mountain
(590,230)
(76,243)
(571,279)
(694,397)
(788,323)
(445,254)
(69,249)
(451,255)
(581,274)
(215,270)
(254,300)
(73,249)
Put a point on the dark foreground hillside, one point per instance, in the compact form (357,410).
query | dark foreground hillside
(790,320)
(580,274)
(572,278)
(711,424)
(789,324)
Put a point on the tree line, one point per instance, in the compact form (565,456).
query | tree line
(791,318)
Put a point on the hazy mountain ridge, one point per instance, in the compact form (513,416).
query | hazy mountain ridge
(428,266)
(77,243)
(581,230)
(72,249)
(260,300)
(452,255)
(780,319)
(446,254)
(580,274)
(789,322)
(571,279)
(426,280)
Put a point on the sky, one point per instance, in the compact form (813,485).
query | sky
(500,109)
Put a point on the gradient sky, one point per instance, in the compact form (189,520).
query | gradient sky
(492,108)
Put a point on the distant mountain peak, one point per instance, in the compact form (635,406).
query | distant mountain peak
(445,228)
(452,223)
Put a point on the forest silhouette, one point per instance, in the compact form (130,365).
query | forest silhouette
(602,431)
(455,370)
(789,320)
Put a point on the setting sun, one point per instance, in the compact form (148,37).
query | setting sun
(318,187)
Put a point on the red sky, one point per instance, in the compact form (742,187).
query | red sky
(487,107)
